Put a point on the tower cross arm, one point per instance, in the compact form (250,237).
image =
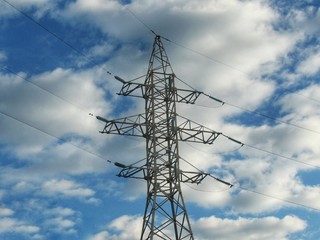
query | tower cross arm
(192,177)
(141,172)
(139,90)
(131,88)
(187,96)
(135,125)
(193,132)
(130,126)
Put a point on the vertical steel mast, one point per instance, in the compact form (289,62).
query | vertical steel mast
(165,216)
(165,209)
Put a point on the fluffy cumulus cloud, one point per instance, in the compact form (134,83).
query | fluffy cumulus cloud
(13,225)
(123,228)
(39,7)
(60,225)
(261,58)
(61,220)
(6,212)
(205,228)
(266,228)
(8,223)
(311,65)
(66,188)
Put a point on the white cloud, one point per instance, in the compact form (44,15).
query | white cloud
(60,211)
(266,228)
(7,10)
(27,229)
(311,65)
(6,224)
(6,212)
(75,105)
(61,220)
(129,224)
(238,33)
(305,20)
(302,107)
(23,187)
(66,188)
(95,5)
(29,2)
(100,50)
(100,236)
(13,225)
(82,129)
(123,228)
(61,225)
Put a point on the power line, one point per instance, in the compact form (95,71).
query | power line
(149,29)
(180,45)
(98,156)
(312,99)
(250,111)
(269,152)
(213,98)
(142,22)
(79,52)
(56,36)
(260,149)
(231,67)
(272,118)
(206,56)
(219,153)
(277,198)
(231,185)
(282,156)
(51,135)
(232,139)
(42,88)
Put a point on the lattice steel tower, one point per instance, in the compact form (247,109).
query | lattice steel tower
(165,215)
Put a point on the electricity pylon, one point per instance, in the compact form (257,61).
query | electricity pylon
(165,216)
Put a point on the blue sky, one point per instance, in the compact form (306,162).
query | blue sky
(262,58)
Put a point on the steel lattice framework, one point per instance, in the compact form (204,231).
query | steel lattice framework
(165,215)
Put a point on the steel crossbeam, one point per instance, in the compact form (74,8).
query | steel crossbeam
(165,216)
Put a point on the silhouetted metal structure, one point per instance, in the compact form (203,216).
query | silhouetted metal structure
(165,215)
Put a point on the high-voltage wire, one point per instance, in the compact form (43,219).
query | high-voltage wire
(222,102)
(241,143)
(231,67)
(118,165)
(56,36)
(154,33)
(211,97)
(52,135)
(42,88)
(237,185)
(230,185)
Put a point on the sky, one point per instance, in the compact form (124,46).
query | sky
(58,60)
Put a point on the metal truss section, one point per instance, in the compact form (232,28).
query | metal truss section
(187,131)
(187,96)
(140,172)
(130,126)
(165,215)
(192,177)
(194,132)
(139,90)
